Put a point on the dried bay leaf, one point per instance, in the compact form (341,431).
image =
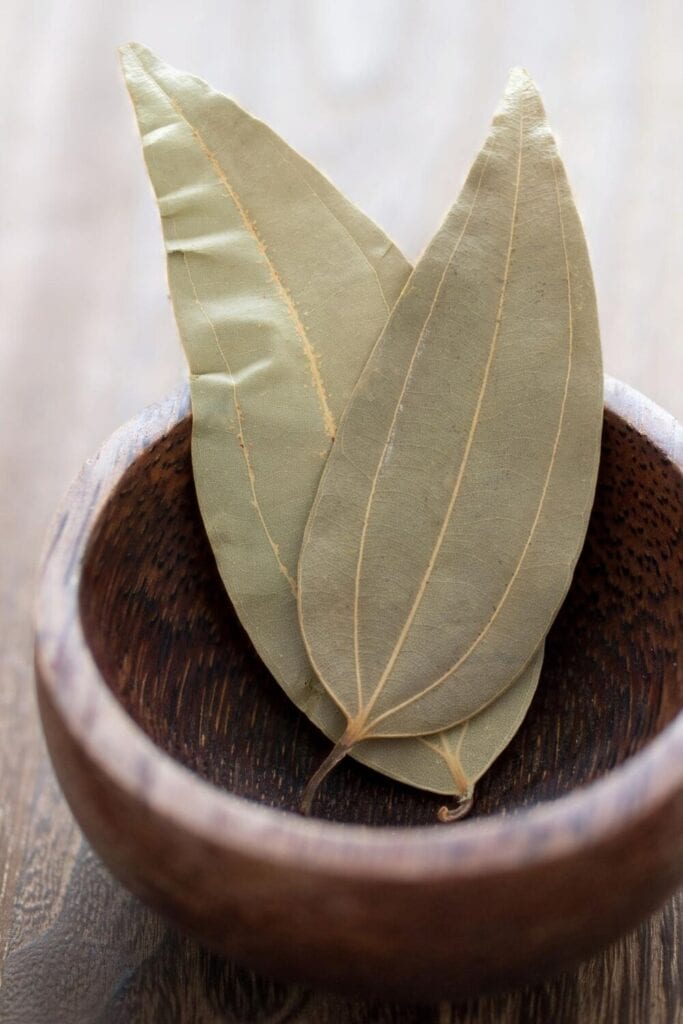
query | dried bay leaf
(451,762)
(262,249)
(455,500)
(280,288)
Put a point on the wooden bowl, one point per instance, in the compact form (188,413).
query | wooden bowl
(184,763)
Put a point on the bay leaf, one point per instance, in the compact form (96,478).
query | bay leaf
(260,244)
(455,499)
(451,762)
(280,287)
(171,145)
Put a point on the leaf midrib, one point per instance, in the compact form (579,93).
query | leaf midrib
(570,344)
(465,458)
(373,488)
(239,414)
(250,227)
(451,757)
(241,439)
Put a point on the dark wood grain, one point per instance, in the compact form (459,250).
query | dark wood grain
(126,967)
(131,605)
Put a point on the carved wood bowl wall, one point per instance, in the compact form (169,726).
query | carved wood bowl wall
(184,763)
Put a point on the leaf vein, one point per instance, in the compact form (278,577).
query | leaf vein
(250,227)
(570,346)
(241,439)
(389,438)
(343,228)
(465,458)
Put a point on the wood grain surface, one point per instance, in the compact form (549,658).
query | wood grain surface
(391,98)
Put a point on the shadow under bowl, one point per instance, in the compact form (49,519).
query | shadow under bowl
(180,756)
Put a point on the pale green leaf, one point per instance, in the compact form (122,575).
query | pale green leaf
(280,287)
(455,500)
(451,762)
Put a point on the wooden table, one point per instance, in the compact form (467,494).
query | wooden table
(392,100)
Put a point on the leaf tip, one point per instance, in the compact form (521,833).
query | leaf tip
(126,50)
(519,80)
(130,55)
(521,92)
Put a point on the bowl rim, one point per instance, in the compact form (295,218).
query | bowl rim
(114,743)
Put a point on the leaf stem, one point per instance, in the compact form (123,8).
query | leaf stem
(337,754)
(462,808)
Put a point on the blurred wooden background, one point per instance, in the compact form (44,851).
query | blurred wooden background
(391,98)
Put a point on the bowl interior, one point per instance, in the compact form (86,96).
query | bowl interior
(168,644)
